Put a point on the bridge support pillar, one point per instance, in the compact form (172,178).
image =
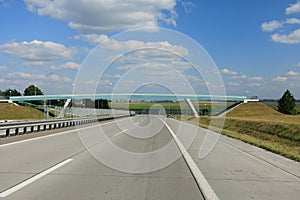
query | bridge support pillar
(190,104)
(62,112)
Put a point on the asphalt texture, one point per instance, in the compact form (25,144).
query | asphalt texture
(233,169)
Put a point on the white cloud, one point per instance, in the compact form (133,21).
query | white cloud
(292,73)
(228,71)
(115,45)
(274,24)
(242,76)
(66,66)
(105,82)
(36,50)
(292,38)
(24,75)
(292,21)
(112,76)
(257,78)
(187,6)
(35,77)
(280,79)
(35,63)
(107,15)
(91,38)
(148,54)
(152,60)
(5,3)
(233,84)
(3,68)
(294,8)
(271,26)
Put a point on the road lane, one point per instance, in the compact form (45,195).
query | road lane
(236,170)
(87,178)
(233,169)
(25,159)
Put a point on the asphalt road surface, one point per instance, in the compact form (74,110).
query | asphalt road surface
(67,165)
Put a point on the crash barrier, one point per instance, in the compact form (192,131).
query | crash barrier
(25,127)
(83,112)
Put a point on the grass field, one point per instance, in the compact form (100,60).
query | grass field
(274,106)
(170,107)
(258,124)
(9,111)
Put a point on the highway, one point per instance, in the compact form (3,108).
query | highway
(80,164)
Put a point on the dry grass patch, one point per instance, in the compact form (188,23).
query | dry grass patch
(260,125)
(9,111)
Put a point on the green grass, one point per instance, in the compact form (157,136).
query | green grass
(258,124)
(274,106)
(11,112)
(171,107)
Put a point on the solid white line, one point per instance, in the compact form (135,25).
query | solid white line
(120,132)
(206,189)
(32,179)
(57,134)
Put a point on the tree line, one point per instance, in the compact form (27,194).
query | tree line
(29,91)
(10,93)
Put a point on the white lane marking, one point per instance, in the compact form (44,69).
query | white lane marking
(57,134)
(143,119)
(121,132)
(206,189)
(32,179)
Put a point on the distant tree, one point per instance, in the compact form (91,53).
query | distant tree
(101,104)
(32,90)
(287,103)
(56,102)
(205,111)
(10,92)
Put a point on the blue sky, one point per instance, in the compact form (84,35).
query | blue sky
(255,44)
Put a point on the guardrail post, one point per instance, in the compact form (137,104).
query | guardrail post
(17,131)
(7,132)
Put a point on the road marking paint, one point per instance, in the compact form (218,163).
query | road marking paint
(121,132)
(204,186)
(57,134)
(32,179)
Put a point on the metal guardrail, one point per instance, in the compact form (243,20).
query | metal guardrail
(17,128)
(83,112)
